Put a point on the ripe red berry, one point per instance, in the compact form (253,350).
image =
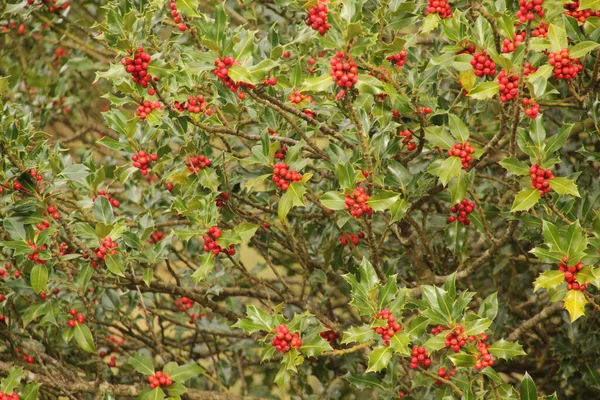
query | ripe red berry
(483,64)
(564,66)
(284,340)
(539,179)
(397,59)
(343,70)
(462,211)
(283,176)
(440,7)
(316,18)
(357,203)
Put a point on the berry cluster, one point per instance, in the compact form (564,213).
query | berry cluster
(386,332)
(464,151)
(146,107)
(508,86)
(283,177)
(330,335)
(107,246)
(176,17)
(222,72)
(571,275)
(424,110)
(159,380)
(184,304)
(508,46)
(297,97)
(317,18)
(462,211)
(51,5)
(528,9)
(155,237)
(280,154)
(137,67)
(271,81)
(466,49)
(445,374)
(43,226)
(5,396)
(528,69)
(541,30)
(75,318)
(564,67)
(419,358)
(483,64)
(222,198)
(356,203)
(457,338)
(142,160)
(35,255)
(194,104)
(64,249)
(440,7)
(397,59)
(580,15)
(210,242)
(532,108)
(436,330)
(408,140)
(197,163)
(539,178)
(350,238)
(343,70)
(113,202)
(484,359)
(284,340)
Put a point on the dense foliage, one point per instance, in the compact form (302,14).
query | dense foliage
(259,199)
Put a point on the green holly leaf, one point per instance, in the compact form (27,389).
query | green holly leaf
(450,168)
(317,84)
(115,265)
(459,185)
(527,388)
(506,350)
(548,280)
(382,200)
(182,373)
(314,345)
(437,136)
(458,129)
(358,334)
(83,337)
(293,197)
(476,326)
(11,382)
(564,186)
(380,358)
(362,286)
(207,263)
(142,363)
(257,320)
(575,302)
(484,91)
(463,360)
(558,38)
(514,166)
(39,278)
(333,200)
(399,344)
(525,199)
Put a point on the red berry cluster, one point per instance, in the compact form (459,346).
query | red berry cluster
(270,82)
(397,59)
(528,9)
(457,338)
(51,5)
(436,330)
(343,70)
(483,64)
(210,242)
(408,140)
(350,238)
(197,163)
(484,359)
(35,256)
(440,7)
(541,30)
(445,374)
(508,86)
(138,67)
(51,210)
(29,359)
(5,396)
(386,332)
(43,226)
(532,108)
(528,69)
(580,15)
(330,335)
(508,46)
(317,18)
(571,275)
(464,151)
(194,104)
(222,72)
(462,211)
(184,304)
(280,154)
(107,246)
(142,160)
(284,340)
(419,358)
(222,198)
(466,49)
(283,176)
(159,380)
(176,17)
(146,107)
(64,249)
(113,202)
(155,237)
(356,203)
(424,110)
(564,67)
(297,97)
(75,318)
(539,178)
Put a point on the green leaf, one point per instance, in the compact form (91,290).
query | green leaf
(293,197)
(358,334)
(593,4)
(489,307)
(435,343)
(314,346)
(563,186)
(439,137)
(16,229)
(537,132)
(142,363)
(399,344)
(549,280)
(31,391)
(430,22)
(506,350)
(115,265)
(207,263)
(186,372)
(148,276)
(387,292)
(575,302)
(477,326)
(450,168)
(317,84)
(525,199)
(458,129)
(558,38)
(11,382)
(345,174)
(33,312)
(257,320)
(364,381)
(76,173)
(103,211)
(514,166)
(379,358)
(398,210)
(459,185)
(152,394)
(83,337)
(484,91)
(362,291)
(39,278)
(527,388)
(582,49)
(463,360)
(555,142)
(382,200)
(188,8)
(333,200)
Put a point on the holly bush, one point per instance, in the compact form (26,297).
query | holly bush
(299,199)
